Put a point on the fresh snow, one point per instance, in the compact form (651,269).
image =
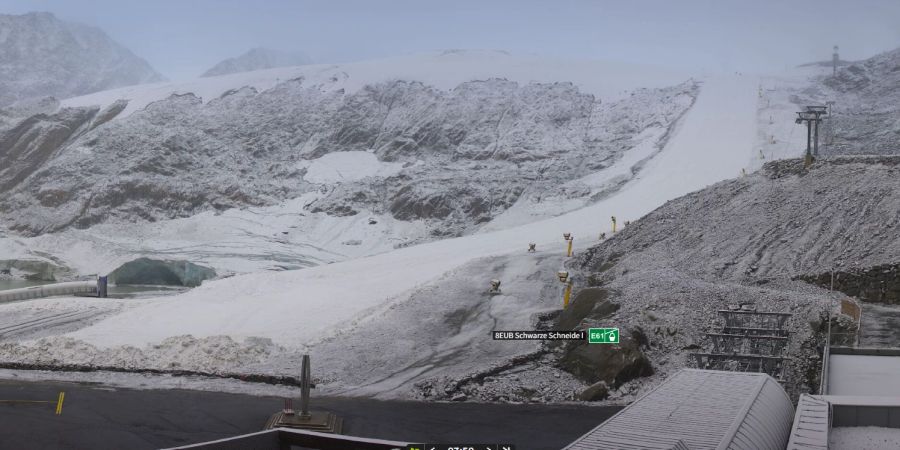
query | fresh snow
(299,308)
(42,56)
(277,237)
(863,375)
(347,166)
(864,438)
(147,381)
(444,70)
(524,211)
(320,219)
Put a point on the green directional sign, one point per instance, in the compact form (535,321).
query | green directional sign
(603,336)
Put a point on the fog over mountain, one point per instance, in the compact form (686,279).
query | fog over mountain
(41,55)
(256,59)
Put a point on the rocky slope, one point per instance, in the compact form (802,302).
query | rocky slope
(256,59)
(41,55)
(453,159)
(743,241)
(866,111)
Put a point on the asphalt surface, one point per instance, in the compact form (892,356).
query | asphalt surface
(97,417)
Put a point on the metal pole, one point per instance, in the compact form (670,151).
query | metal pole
(816,151)
(102,286)
(304,388)
(808,138)
(830,306)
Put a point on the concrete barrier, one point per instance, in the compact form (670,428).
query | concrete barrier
(49,290)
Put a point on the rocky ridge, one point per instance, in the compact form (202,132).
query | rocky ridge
(465,155)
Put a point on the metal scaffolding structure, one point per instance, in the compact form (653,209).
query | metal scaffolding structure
(747,344)
(754,322)
(770,365)
(750,341)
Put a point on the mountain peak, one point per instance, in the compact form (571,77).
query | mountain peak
(41,55)
(257,58)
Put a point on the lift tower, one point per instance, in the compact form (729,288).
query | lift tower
(812,116)
(834,61)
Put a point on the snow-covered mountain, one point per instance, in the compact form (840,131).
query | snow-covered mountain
(441,154)
(370,322)
(41,55)
(866,96)
(751,240)
(256,59)
(479,153)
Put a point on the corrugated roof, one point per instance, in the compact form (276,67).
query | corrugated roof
(701,409)
(811,424)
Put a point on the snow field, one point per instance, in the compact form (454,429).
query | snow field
(298,308)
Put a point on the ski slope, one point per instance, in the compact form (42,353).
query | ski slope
(298,308)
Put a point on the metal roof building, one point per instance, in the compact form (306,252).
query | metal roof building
(819,417)
(697,410)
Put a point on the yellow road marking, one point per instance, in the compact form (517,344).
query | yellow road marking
(59,403)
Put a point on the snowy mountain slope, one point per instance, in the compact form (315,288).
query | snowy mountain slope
(258,156)
(288,235)
(768,235)
(303,307)
(748,240)
(13,113)
(280,237)
(608,81)
(865,112)
(779,136)
(404,153)
(256,59)
(41,55)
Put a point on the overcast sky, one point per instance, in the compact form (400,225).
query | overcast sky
(183,38)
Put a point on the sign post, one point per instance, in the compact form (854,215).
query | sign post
(603,336)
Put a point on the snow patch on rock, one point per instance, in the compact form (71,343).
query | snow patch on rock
(342,167)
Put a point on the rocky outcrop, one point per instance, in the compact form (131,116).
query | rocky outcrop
(590,303)
(462,156)
(878,284)
(609,363)
(11,114)
(36,140)
(595,392)
(604,365)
